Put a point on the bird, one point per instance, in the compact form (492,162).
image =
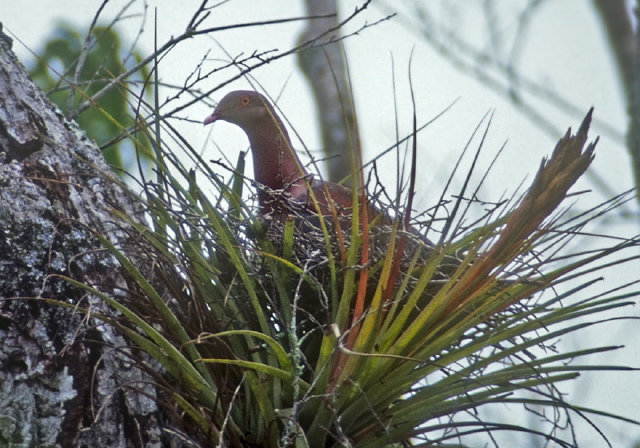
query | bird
(287,190)
(281,177)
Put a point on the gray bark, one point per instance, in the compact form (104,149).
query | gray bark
(62,382)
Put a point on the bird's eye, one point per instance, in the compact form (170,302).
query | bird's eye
(245,100)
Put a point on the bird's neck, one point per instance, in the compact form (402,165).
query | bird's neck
(275,163)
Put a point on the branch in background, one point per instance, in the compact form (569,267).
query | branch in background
(617,21)
(324,66)
(503,77)
(625,44)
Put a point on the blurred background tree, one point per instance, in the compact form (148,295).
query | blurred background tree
(494,43)
(73,66)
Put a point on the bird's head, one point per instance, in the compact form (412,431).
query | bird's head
(275,163)
(244,108)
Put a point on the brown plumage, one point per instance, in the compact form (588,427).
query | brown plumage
(276,166)
(287,190)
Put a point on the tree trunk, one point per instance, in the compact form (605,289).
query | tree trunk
(62,383)
(324,66)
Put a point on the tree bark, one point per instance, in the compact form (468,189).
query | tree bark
(65,380)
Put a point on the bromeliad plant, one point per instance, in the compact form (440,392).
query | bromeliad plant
(404,358)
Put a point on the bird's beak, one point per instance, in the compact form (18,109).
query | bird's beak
(211,118)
